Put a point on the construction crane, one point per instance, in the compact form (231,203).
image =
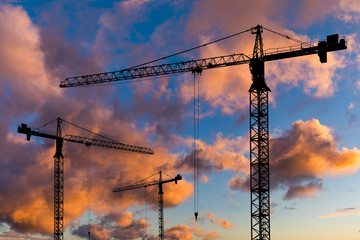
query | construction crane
(258,96)
(59,163)
(160,196)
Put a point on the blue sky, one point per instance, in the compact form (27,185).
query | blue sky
(314,123)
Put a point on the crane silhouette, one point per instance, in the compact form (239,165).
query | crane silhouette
(59,163)
(160,196)
(258,98)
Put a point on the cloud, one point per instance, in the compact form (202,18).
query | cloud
(348,11)
(220,222)
(302,157)
(303,191)
(22,68)
(310,12)
(97,232)
(10,235)
(186,233)
(121,225)
(351,106)
(223,223)
(222,154)
(341,212)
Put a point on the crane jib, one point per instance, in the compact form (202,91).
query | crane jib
(332,44)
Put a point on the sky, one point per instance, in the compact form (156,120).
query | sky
(313,109)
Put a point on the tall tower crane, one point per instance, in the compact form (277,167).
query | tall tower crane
(160,196)
(258,96)
(59,163)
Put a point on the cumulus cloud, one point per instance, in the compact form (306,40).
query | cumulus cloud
(301,157)
(187,233)
(220,222)
(222,154)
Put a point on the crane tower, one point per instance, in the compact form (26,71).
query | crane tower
(258,98)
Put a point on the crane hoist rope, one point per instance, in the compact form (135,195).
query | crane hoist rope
(196,144)
(89,189)
(145,213)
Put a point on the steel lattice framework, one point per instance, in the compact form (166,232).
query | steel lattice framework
(161,209)
(259,119)
(259,144)
(259,165)
(58,185)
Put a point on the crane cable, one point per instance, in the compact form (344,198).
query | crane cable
(191,49)
(88,191)
(145,237)
(285,36)
(196,142)
(86,130)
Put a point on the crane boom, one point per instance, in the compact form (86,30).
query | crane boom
(147,184)
(84,140)
(303,49)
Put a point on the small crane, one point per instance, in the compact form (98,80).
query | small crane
(258,96)
(59,163)
(160,196)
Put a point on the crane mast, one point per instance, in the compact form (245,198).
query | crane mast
(59,164)
(160,197)
(259,144)
(58,185)
(258,98)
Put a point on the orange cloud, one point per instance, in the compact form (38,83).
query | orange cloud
(223,223)
(341,212)
(210,216)
(187,233)
(302,156)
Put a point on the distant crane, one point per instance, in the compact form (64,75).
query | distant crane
(59,164)
(258,96)
(160,196)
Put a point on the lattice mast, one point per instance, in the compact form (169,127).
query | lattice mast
(259,144)
(59,164)
(58,185)
(161,208)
